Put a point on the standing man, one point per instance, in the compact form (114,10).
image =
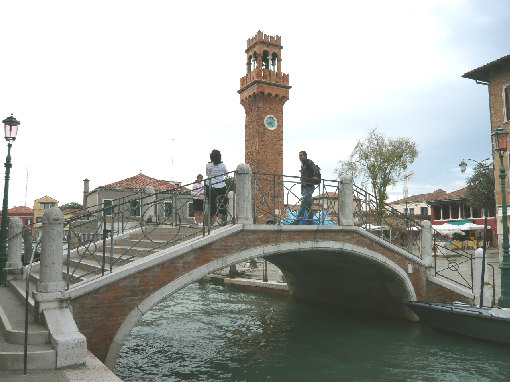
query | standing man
(309,175)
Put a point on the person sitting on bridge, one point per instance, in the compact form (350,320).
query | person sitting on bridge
(308,176)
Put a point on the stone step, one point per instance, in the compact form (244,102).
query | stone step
(165,235)
(19,288)
(86,264)
(12,320)
(39,357)
(134,243)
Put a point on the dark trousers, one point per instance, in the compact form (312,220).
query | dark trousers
(219,201)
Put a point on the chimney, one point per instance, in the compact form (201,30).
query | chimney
(85,192)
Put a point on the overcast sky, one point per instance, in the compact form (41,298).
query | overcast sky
(104,89)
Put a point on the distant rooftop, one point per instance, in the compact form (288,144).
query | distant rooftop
(454,195)
(482,73)
(20,210)
(436,195)
(141,181)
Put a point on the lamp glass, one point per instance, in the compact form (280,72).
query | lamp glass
(10,128)
(10,131)
(499,140)
(463,166)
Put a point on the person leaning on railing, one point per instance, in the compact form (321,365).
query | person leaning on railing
(308,176)
(216,171)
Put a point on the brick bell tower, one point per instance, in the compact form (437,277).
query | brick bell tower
(264,90)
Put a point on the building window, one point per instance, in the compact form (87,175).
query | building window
(506,102)
(38,219)
(46,206)
(108,203)
(424,211)
(191,210)
(411,211)
(135,208)
(169,209)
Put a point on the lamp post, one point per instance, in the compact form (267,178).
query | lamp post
(499,143)
(10,130)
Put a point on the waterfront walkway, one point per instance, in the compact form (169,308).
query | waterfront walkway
(93,371)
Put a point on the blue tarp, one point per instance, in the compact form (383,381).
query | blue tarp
(319,216)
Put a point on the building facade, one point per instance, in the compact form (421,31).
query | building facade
(417,204)
(130,192)
(454,208)
(41,205)
(496,75)
(26,214)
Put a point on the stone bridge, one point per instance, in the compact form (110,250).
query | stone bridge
(342,265)
(345,266)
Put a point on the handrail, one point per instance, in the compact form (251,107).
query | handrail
(141,212)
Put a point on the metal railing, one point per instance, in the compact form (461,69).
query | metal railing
(386,222)
(277,199)
(136,225)
(450,263)
(95,239)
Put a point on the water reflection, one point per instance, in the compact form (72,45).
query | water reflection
(208,333)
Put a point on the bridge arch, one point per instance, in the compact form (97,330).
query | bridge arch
(283,250)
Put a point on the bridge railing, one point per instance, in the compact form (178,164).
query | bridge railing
(450,263)
(277,198)
(386,222)
(96,240)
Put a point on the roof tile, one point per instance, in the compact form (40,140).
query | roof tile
(141,181)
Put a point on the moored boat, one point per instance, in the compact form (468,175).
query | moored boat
(490,324)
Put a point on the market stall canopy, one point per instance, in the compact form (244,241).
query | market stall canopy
(452,227)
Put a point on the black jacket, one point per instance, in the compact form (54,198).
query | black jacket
(308,171)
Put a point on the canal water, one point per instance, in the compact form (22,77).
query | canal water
(211,333)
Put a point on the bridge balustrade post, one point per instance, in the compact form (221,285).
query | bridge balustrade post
(426,249)
(52,249)
(244,212)
(13,267)
(150,205)
(345,201)
(52,309)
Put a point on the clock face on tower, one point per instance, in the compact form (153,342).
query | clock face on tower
(270,122)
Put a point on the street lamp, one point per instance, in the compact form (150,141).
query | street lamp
(10,130)
(499,143)
(463,164)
